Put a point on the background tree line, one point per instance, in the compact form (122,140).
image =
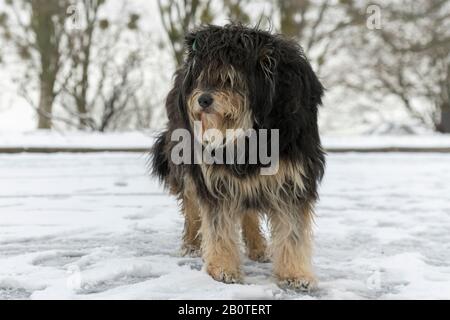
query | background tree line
(85,70)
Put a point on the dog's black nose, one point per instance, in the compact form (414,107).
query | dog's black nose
(205,100)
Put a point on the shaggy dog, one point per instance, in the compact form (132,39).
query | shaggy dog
(239,77)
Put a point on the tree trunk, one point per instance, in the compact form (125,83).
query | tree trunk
(46,98)
(289,9)
(444,120)
(84,84)
(82,102)
(44,18)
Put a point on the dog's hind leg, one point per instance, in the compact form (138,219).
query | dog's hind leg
(292,248)
(220,236)
(191,234)
(253,238)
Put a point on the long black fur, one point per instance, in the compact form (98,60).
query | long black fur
(284,94)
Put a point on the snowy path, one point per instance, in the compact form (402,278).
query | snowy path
(95,226)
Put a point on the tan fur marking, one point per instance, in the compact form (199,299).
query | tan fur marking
(220,245)
(270,187)
(292,248)
(253,237)
(192,223)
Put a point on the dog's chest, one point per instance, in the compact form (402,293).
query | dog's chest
(258,192)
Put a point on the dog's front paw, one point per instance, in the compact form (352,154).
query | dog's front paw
(226,276)
(302,283)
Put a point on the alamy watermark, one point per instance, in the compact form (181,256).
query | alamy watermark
(235,147)
(373,21)
(373,282)
(74,21)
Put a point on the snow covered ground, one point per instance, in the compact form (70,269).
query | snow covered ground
(77,139)
(94,226)
(143,139)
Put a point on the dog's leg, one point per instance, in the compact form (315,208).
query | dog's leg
(192,222)
(219,230)
(253,237)
(292,248)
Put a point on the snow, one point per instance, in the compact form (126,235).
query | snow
(95,226)
(387,141)
(76,139)
(140,140)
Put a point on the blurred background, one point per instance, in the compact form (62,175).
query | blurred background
(104,65)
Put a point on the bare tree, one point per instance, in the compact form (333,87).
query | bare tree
(318,25)
(105,76)
(36,28)
(235,10)
(409,58)
(178,16)
(80,42)
(88,77)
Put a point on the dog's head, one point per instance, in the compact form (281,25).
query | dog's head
(235,77)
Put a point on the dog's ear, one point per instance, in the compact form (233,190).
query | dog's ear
(183,82)
(297,97)
(262,85)
(175,101)
(310,90)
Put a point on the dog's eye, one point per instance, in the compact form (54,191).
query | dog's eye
(231,83)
